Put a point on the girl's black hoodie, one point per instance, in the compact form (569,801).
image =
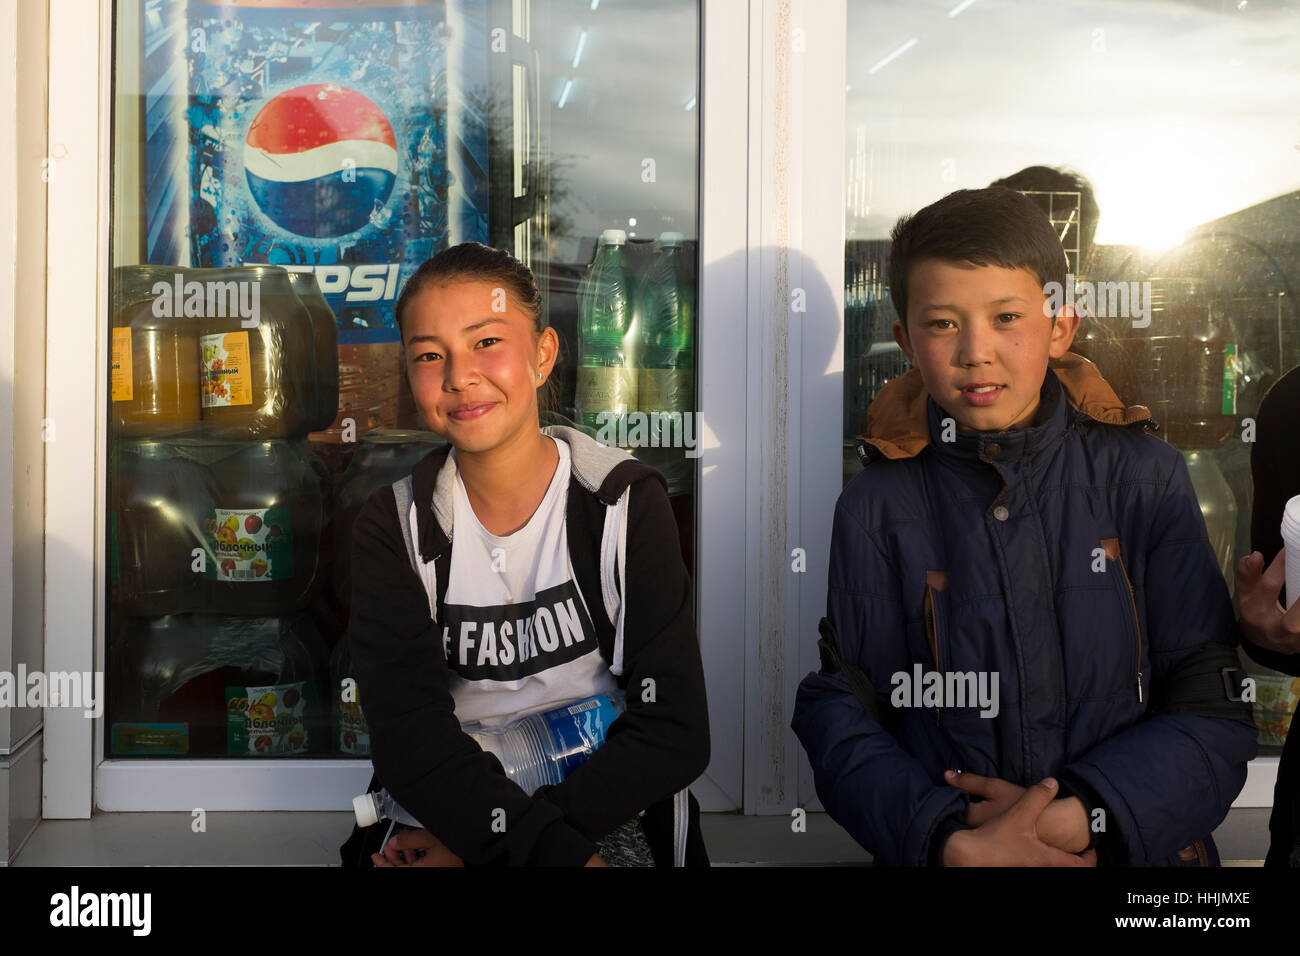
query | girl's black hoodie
(655,749)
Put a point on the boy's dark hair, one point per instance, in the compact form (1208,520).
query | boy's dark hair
(995,226)
(479,263)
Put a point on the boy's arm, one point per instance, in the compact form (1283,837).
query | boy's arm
(866,781)
(1169,779)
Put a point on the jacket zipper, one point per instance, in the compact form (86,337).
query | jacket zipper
(1137,626)
(932,632)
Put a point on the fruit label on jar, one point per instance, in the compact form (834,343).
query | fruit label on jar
(266,720)
(122,377)
(247,545)
(150,738)
(354,732)
(226,375)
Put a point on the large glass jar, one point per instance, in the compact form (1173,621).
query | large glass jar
(212,685)
(257,363)
(154,355)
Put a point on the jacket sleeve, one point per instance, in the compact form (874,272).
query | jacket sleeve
(661,741)
(867,782)
(431,767)
(1170,779)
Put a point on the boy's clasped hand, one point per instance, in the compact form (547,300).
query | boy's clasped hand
(1018,826)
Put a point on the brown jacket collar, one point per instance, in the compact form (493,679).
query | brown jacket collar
(898,422)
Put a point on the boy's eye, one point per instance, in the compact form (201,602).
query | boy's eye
(1009,316)
(488,341)
(939,323)
(427,356)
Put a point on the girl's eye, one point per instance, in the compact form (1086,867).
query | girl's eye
(488,341)
(427,357)
(1009,316)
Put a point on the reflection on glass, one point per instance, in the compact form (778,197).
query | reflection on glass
(1160,141)
(280,168)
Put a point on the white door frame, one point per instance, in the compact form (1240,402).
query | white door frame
(795,385)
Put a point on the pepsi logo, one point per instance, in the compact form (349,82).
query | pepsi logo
(320,159)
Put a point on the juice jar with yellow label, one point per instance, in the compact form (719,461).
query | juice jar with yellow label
(154,349)
(256,363)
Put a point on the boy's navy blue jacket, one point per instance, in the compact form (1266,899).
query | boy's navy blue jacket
(1069,557)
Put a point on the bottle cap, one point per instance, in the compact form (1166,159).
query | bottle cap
(366,808)
(613,237)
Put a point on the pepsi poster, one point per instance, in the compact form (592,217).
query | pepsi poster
(347,139)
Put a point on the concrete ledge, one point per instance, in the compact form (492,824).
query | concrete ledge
(313,839)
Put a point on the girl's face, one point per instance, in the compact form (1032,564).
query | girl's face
(474,361)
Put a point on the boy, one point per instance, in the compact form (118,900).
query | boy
(1023,578)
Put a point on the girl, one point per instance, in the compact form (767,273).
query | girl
(509,613)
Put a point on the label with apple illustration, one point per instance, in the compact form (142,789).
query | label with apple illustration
(266,720)
(354,732)
(248,544)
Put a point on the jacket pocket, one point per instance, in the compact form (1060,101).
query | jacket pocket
(936,583)
(1116,557)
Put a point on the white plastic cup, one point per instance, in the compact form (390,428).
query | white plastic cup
(1291,538)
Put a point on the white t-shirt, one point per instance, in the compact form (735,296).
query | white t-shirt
(516,629)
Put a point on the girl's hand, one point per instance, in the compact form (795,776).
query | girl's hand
(1263,619)
(415,848)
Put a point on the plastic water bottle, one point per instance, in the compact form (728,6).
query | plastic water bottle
(534,751)
(665,378)
(665,334)
(606,371)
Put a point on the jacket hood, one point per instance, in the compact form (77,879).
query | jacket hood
(601,470)
(898,421)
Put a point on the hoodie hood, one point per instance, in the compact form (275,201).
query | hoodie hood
(601,470)
(898,421)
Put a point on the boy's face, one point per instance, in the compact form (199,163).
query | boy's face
(973,326)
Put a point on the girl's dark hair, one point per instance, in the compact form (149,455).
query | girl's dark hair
(476,262)
(995,226)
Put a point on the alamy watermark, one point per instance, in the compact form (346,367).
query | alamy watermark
(241,299)
(84,689)
(1102,300)
(649,430)
(946,689)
